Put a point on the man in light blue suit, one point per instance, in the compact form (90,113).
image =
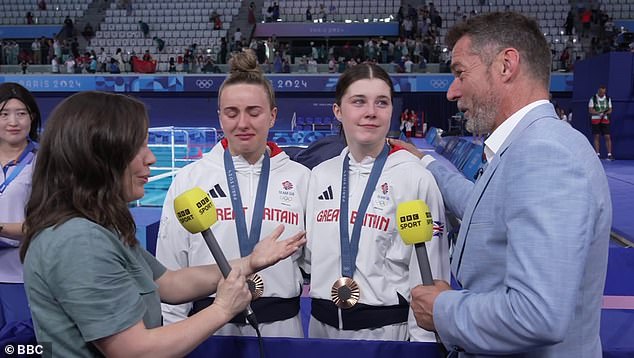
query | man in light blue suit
(531,253)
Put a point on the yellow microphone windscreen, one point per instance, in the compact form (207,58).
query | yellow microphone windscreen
(195,210)
(414,222)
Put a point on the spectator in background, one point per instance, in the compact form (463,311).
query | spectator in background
(215,20)
(413,117)
(562,115)
(41,5)
(408,64)
(55,64)
(188,57)
(286,66)
(210,66)
(44,48)
(74,47)
(24,65)
(145,28)
(172,65)
(118,57)
(570,23)
(70,64)
(277,63)
(322,12)
(237,39)
(69,28)
(564,59)
(268,17)
(160,44)
(29,18)
(88,32)
(222,57)
(251,14)
(332,65)
(276,11)
(309,15)
(147,56)
(102,59)
(92,64)
(586,22)
(35,51)
(56,48)
(114,66)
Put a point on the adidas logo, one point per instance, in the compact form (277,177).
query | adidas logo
(327,194)
(216,192)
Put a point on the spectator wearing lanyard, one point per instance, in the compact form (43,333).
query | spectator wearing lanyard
(19,124)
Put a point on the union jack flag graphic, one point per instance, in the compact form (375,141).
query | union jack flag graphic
(287,185)
(438,228)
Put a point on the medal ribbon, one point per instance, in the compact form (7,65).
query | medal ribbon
(350,246)
(247,241)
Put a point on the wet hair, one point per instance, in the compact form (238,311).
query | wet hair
(245,70)
(491,33)
(361,71)
(90,139)
(10,90)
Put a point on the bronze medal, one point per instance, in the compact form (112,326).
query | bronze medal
(256,286)
(345,293)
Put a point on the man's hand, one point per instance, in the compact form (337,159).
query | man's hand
(423,298)
(407,146)
(269,251)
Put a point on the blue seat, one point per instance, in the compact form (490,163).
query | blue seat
(473,162)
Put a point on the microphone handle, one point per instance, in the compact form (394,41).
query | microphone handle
(428,280)
(423,264)
(225,268)
(216,252)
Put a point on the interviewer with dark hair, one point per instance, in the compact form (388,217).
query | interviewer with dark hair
(92,289)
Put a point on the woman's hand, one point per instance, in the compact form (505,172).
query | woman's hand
(270,250)
(233,295)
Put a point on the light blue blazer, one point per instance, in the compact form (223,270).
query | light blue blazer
(532,249)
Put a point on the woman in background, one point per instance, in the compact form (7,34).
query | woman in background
(20,122)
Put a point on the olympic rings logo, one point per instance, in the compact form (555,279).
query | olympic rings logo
(204,83)
(439,83)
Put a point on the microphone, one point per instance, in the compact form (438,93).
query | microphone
(197,213)
(415,225)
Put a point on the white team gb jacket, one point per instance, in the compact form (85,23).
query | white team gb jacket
(285,204)
(385,266)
